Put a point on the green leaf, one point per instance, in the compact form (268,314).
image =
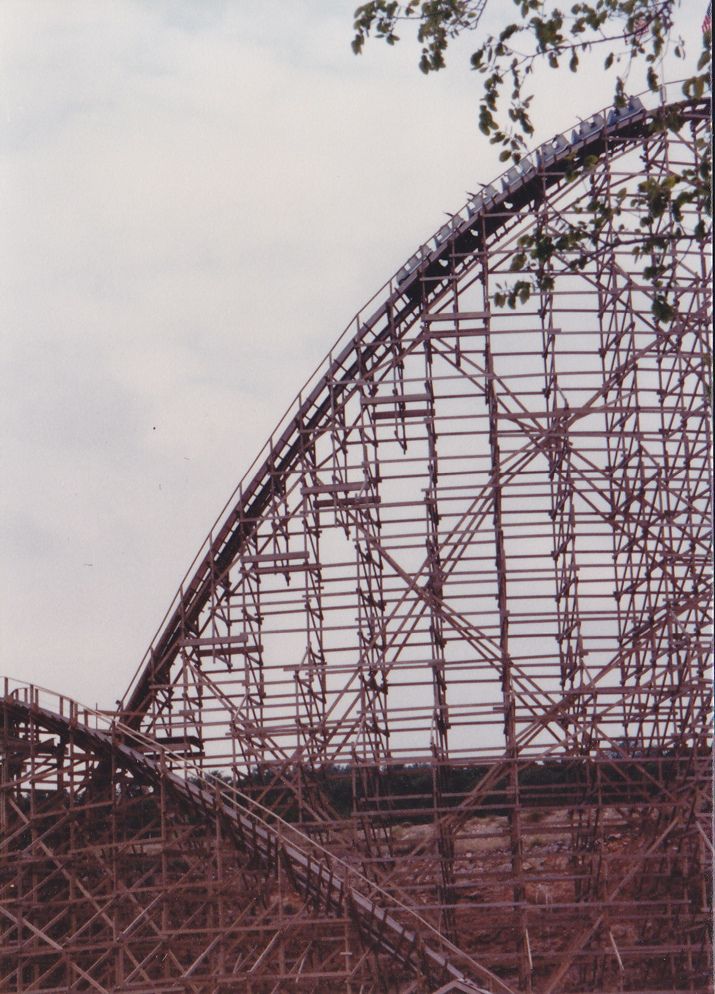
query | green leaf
(662,310)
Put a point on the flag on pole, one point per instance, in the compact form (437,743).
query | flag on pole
(708,19)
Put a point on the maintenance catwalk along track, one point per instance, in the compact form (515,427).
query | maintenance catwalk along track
(430,710)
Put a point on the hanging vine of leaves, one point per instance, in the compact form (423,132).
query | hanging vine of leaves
(627,32)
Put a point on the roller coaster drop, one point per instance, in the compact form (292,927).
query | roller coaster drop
(430,711)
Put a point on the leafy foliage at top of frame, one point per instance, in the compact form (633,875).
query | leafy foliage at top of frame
(670,207)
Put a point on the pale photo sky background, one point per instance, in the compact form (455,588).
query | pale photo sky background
(195,198)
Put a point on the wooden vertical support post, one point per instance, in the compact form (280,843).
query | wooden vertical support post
(364,514)
(440,714)
(508,693)
(310,678)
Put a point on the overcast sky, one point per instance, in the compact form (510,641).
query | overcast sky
(195,198)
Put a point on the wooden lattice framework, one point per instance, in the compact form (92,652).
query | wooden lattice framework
(431,708)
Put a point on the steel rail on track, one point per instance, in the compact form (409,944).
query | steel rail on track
(424,279)
(316,873)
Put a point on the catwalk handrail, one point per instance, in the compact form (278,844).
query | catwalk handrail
(398,298)
(260,831)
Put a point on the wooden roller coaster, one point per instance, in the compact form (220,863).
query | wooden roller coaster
(430,711)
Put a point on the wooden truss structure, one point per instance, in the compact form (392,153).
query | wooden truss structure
(430,711)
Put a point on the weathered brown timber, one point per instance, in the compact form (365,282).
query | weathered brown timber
(431,709)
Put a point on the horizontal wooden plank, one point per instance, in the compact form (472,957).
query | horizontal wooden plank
(404,398)
(272,557)
(456,316)
(332,488)
(214,640)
